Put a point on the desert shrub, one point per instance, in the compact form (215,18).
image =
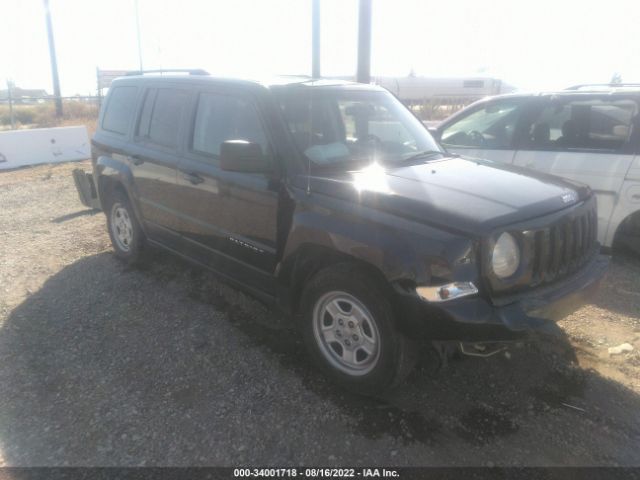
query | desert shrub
(43,115)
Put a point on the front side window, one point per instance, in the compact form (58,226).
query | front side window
(338,126)
(583,124)
(220,118)
(490,127)
(122,102)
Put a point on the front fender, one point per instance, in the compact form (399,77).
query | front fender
(402,250)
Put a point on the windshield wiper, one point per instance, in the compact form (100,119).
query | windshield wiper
(424,154)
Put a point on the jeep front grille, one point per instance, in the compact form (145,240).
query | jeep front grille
(552,247)
(563,247)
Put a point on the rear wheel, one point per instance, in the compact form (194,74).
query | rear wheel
(349,329)
(125,232)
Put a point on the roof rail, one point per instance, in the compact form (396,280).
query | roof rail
(190,71)
(611,85)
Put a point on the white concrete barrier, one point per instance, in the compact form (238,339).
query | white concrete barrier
(43,145)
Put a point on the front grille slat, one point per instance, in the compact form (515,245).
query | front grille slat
(544,253)
(581,237)
(556,239)
(579,232)
(594,233)
(587,234)
(568,246)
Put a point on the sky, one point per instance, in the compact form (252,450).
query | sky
(534,45)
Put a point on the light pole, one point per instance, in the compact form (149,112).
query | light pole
(54,61)
(315,39)
(138,34)
(364,42)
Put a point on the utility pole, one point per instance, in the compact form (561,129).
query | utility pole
(315,39)
(138,35)
(54,61)
(364,42)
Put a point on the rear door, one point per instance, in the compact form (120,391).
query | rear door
(486,131)
(228,219)
(586,138)
(154,159)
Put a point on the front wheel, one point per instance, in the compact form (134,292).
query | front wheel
(349,329)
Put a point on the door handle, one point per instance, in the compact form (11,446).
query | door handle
(194,178)
(136,160)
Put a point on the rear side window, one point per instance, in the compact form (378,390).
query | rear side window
(161,116)
(122,102)
(492,126)
(583,124)
(220,118)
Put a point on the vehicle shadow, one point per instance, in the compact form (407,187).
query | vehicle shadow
(71,216)
(164,365)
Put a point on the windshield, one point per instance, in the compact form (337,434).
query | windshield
(339,126)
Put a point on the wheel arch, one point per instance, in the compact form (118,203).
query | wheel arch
(107,185)
(309,259)
(628,226)
(113,175)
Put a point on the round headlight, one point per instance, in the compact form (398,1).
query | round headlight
(506,256)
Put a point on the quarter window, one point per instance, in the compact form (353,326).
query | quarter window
(220,118)
(490,127)
(122,102)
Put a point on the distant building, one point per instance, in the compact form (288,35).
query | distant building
(23,95)
(413,89)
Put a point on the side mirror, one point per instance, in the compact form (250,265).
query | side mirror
(243,156)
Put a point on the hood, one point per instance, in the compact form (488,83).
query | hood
(471,196)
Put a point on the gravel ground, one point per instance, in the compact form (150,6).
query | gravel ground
(101,364)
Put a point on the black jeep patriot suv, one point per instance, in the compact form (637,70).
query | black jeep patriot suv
(332,202)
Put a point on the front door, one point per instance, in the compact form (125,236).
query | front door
(228,219)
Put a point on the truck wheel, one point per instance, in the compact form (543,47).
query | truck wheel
(628,235)
(349,330)
(125,232)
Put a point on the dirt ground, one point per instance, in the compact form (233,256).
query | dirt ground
(102,364)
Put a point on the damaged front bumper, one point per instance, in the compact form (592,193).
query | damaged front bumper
(480,319)
(86,187)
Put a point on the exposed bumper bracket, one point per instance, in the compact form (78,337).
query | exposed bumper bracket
(86,189)
(478,352)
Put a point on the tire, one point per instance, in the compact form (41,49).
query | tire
(349,329)
(627,237)
(124,230)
